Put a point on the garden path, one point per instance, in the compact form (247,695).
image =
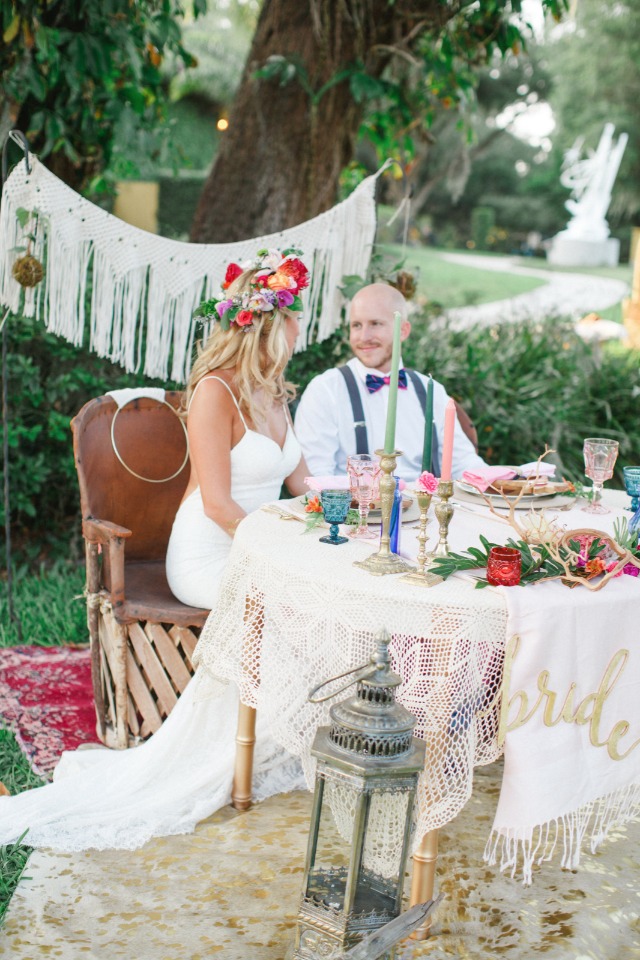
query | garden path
(563,294)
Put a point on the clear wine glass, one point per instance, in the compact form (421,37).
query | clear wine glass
(600,456)
(364,476)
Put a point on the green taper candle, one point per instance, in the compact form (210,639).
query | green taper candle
(390,434)
(428,429)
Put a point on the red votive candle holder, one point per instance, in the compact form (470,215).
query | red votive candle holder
(503,568)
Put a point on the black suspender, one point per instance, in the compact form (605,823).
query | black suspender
(418,387)
(362,439)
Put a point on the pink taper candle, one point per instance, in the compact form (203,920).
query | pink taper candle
(447,443)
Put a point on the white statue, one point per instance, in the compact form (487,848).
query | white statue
(591,182)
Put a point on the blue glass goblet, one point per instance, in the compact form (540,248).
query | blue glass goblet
(632,485)
(335,506)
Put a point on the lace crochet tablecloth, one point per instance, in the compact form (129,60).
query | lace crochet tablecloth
(294,611)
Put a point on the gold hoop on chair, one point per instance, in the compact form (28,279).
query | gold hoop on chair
(132,472)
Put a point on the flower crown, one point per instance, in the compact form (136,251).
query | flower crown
(275,286)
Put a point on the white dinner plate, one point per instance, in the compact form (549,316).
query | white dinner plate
(492,495)
(539,501)
(409,513)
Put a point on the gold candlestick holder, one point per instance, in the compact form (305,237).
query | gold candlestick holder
(420,576)
(384,561)
(444,512)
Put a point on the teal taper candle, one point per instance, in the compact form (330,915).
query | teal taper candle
(428,429)
(390,433)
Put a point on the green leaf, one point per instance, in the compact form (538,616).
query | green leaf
(23,216)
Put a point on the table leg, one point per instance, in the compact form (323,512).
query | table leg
(423,879)
(241,793)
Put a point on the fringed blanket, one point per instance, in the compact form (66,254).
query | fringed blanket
(144,288)
(571,722)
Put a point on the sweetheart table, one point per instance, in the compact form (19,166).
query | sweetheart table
(294,611)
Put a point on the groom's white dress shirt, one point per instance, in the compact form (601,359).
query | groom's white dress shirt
(324,425)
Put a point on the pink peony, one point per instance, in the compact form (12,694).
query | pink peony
(427,483)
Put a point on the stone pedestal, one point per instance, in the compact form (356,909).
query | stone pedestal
(564,251)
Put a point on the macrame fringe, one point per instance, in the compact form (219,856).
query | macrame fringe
(594,820)
(144,288)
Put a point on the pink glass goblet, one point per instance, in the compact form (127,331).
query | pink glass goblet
(504,566)
(364,474)
(600,456)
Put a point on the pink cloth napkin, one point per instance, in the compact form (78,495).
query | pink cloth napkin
(541,469)
(327,483)
(485,476)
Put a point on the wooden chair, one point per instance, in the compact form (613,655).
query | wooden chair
(132,465)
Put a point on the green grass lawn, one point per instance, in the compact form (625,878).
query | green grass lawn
(454,285)
(50,604)
(457,285)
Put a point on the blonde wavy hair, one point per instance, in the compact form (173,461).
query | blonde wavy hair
(259,354)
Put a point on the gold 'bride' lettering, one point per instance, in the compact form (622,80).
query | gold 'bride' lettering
(515,711)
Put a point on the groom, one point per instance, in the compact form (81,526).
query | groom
(343,411)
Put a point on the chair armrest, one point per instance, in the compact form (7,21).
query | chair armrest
(102,531)
(113,536)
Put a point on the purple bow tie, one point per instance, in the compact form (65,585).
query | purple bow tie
(375,383)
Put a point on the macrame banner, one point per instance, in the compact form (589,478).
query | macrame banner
(144,288)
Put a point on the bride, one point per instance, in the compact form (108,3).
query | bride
(242,448)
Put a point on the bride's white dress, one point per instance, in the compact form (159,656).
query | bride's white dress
(120,799)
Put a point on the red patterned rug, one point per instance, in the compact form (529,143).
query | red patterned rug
(46,700)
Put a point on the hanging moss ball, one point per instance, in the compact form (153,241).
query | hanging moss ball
(28,271)
(406,283)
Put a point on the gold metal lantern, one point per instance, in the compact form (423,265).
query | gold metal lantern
(368,763)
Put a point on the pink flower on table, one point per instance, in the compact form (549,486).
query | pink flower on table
(427,483)
(631,570)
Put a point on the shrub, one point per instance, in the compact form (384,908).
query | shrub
(483,220)
(534,383)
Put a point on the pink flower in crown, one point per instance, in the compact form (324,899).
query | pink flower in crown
(222,306)
(285,298)
(244,318)
(427,483)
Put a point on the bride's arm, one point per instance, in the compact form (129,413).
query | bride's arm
(295,481)
(210,425)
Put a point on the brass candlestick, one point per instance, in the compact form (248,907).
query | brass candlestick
(444,512)
(384,561)
(420,576)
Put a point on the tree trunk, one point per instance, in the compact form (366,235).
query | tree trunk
(282,155)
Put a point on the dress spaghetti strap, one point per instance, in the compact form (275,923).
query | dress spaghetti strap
(225,384)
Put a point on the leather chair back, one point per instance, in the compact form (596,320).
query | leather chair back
(152,443)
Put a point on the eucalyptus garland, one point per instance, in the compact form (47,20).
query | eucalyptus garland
(537,562)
